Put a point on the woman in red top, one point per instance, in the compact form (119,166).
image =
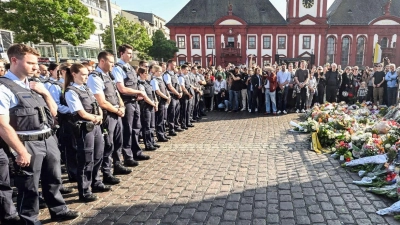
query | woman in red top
(270,90)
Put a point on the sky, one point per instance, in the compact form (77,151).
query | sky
(166,9)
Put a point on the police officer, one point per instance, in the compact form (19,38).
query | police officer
(164,98)
(29,134)
(184,82)
(43,73)
(171,81)
(87,133)
(195,92)
(106,94)
(201,82)
(127,84)
(56,89)
(147,106)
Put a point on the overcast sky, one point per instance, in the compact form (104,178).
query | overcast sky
(167,9)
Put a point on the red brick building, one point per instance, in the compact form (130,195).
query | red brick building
(231,31)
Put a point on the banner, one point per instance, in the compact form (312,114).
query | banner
(377,53)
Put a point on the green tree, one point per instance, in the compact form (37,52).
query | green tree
(128,32)
(162,47)
(50,21)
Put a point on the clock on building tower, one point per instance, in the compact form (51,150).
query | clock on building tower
(308,3)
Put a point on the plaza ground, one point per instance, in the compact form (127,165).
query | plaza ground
(234,168)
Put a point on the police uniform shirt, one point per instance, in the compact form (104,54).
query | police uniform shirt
(96,84)
(167,77)
(154,84)
(119,73)
(9,100)
(48,84)
(44,77)
(56,92)
(141,86)
(73,100)
(181,79)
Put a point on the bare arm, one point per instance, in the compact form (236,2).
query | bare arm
(8,134)
(128,91)
(91,117)
(105,104)
(172,89)
(159,93)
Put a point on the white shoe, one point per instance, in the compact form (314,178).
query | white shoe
(243,110)
(297,111)
(303,111)
(284,112)
(249,110)
(279,112)
(256,110)
(226,109)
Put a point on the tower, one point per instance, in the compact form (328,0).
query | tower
(300,8)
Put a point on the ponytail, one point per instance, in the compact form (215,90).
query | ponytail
(68,78)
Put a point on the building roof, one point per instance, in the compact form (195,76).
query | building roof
(144,16)
(206,12)
(362,11)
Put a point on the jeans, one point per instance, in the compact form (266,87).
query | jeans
(301,99)
(282,99)
(243,94)
(234,99)
(378,95)
(270,97)
(392,94)
(249,98)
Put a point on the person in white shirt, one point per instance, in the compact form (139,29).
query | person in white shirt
(219,90)
(284,77)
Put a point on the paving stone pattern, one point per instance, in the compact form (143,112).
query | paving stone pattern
(235,168)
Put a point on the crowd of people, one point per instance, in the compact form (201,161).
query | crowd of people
(280,89)
(93,118)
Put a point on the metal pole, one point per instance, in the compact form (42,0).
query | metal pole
(112,31)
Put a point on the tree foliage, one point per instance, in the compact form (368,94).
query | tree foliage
(162,47)
(50,21)
(128,32)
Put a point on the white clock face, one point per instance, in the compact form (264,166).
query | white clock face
(308,3)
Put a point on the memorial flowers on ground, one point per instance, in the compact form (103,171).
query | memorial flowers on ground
(365,138)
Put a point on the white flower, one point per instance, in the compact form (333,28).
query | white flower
(333,149)
(305,130)
(387,146)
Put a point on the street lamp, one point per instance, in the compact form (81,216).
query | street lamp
(112,31)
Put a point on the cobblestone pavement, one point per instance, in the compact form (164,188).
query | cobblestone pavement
(235,168)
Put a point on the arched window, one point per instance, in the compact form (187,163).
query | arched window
(344,59)
(330,49)
(384,42)
(360,51)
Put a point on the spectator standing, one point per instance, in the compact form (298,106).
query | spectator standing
(312,89)
(256,83)
(333,82)
(378,80)
(391,79)
(301,80)
(283,77)
(321,83)
(270,91)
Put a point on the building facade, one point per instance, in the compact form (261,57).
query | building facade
(151,22)
(219,32)
(89,50)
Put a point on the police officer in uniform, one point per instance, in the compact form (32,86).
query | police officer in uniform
(127,84)
(29,135)
(201,82)
(147,106)
(184,82)
(87,135)
(56,89)
(171,81)
(195,101)
(164,98)
(102,86)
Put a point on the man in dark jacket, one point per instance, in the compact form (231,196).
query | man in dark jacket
(333,82)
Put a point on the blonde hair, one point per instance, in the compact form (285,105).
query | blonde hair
(156,68)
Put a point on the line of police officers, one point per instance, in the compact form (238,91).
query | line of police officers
(103,111)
